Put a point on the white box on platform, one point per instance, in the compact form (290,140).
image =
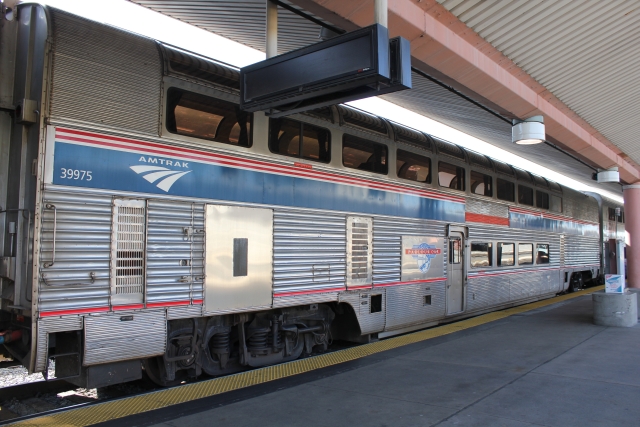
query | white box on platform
(614,283)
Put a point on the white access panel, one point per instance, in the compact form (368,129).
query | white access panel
(239,258)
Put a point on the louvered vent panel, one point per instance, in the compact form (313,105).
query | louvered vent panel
(359,251)
(128,251)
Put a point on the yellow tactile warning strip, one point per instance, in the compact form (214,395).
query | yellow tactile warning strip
(107,411)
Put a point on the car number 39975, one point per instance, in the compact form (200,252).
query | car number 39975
(75,174)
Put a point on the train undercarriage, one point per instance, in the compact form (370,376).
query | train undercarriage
(223,345)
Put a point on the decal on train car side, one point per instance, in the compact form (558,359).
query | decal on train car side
(422,257)
(124,164)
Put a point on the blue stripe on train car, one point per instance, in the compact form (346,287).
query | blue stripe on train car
(533,222)
(111,169)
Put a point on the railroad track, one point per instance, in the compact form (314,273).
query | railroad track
(27,400)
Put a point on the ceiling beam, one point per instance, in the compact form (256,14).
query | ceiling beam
(440,42)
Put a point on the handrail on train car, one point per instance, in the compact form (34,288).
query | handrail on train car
(55,226)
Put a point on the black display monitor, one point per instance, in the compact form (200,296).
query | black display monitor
(347,67)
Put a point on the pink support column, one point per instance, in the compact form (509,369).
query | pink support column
(632,225)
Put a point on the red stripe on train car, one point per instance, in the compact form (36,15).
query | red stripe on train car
(486,219)
(197,301)
(74,311)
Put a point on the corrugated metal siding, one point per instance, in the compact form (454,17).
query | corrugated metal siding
(108,339)
(83,246)
(485,292)
(580,206)
(308,251)
(581,250)
(104,75)
(175,251)
(487,208)
(51,325)
(243,21)
(584,52)
(361,303)
(406,306)
(174,261)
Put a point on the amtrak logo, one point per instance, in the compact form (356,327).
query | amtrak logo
(166,176)
(423,254)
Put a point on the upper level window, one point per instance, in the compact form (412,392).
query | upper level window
(481,184)
(542,253)
(555,203)
(525,253)
(525,195)
(542,199)
(413,166)
(506,254)
(506,190)
(200,116)
(451,176)
(360,153)
(481,254)
(298,139)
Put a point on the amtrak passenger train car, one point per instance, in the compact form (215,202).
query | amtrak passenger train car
(151,224)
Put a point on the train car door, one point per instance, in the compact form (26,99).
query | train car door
(456,276)
(239,258)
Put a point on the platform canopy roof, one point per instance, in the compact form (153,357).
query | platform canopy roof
(480,63)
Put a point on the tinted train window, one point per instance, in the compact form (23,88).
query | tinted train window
(542,200)
(297,139)
(525,253)
(413,166)
(362,154)
(542,254)
(481,254)
(505,190)
(555,203)
(506,254)
(481,184)
(455,250)
(525,195)
(199,116)
(451,176)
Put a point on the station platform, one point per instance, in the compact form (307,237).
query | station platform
(541,364)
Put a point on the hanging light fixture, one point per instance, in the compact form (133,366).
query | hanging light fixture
(608,175)
(528,131)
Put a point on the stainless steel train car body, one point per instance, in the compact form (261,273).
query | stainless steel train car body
(136,226)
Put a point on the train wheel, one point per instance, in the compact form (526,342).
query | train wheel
(576,283)
(154,371)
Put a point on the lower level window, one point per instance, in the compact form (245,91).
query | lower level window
(542,253)
(525,253)
(506,254)
(481,254)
